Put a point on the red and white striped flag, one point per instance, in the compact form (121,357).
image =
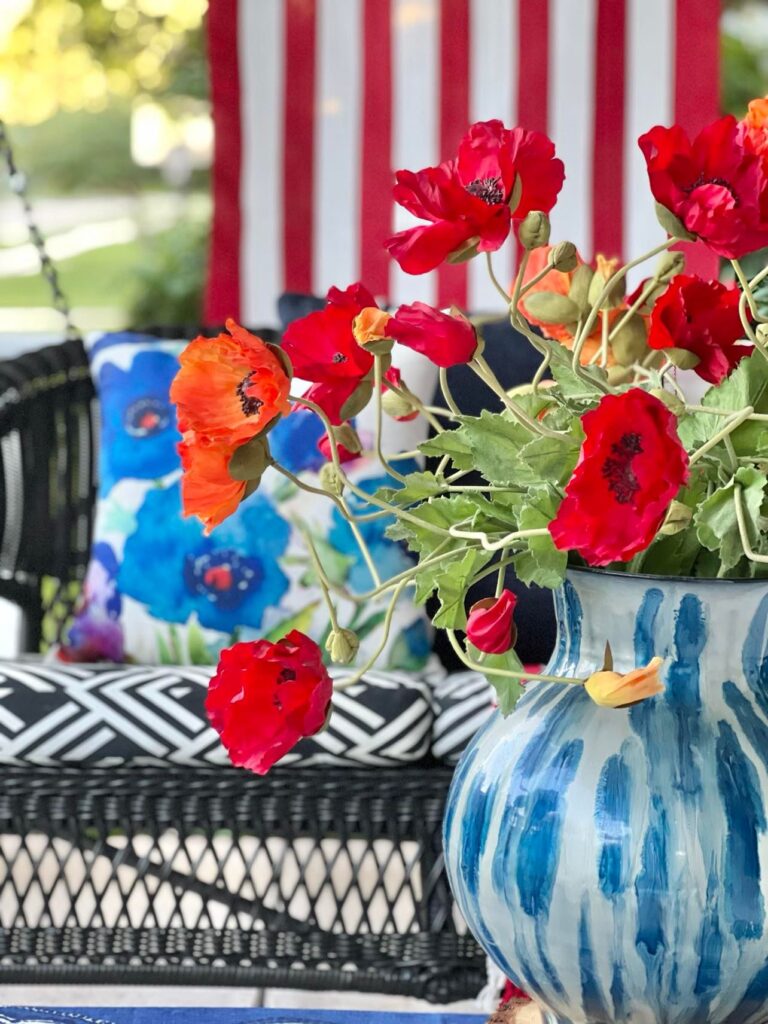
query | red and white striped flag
(317,102)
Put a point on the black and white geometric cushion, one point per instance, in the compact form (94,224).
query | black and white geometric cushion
(463,702)
(104,715)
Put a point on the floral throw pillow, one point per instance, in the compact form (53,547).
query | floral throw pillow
(158,591)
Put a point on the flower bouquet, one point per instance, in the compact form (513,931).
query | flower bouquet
(607,841)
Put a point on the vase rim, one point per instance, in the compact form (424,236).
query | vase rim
(596,570)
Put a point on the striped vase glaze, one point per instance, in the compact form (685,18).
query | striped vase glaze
(614,863)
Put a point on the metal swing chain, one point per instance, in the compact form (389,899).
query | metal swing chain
(17,181)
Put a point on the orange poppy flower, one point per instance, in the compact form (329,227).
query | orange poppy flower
(207,489)
(756,123)
(229,388)
(559,282)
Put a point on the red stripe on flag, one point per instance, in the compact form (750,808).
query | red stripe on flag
(697,91)
(608,142)
(376,152)
(533,65)
(298,143)
(222,296)
(454,121)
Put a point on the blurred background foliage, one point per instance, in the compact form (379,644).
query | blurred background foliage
(109,98)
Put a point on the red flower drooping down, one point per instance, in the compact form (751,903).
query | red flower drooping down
(703,318)
(717,186)
(266,696)
(499,175)
(445,340)
(490,625)
(630,468)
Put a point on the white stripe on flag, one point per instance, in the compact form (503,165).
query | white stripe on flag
(338,113)
(415,116)
(492,89)
(571,116)
(649,90)
(260,42)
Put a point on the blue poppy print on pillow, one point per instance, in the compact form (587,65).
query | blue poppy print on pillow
(293,441)
(139,433)
(96,633)
(228,579)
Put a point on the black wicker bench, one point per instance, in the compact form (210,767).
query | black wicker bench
(330,879)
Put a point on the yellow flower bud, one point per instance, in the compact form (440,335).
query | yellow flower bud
(342,645)
(678,518)
(604,271)
(614,690)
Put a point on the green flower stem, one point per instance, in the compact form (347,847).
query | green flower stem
(378,379)
(503,293)
(408,576)
(758,416)
(729,427)
(486,374)
(753,556)
(401,456)
(507,673)
(604,338)
(734,462)
(321,574)
(370,499)
(646,293)
(500,580)
(497,545)
(447,393)
(343,684)
(620,274)
(746,289)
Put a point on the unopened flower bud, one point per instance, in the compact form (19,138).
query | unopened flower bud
(682,358)
(564,256)
(331,480)
(618,375)
(347,436)
(249,460)
(398,406)
(357,401)
(534,230)
(677,519)
(762,333)
(342,645)
(579,290)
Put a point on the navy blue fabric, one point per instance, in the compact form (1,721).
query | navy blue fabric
(201,1015)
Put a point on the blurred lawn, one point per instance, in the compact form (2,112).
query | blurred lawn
(101,277)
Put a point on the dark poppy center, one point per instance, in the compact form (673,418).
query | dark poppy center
(224,577)
(339,357)
(287,675)
(617,469)
(702,180)
(250,403)
(490,190)
(146,417)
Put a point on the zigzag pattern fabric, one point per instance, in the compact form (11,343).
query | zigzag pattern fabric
(463,702)
(53,714)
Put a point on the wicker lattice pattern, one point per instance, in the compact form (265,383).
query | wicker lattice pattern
(323,879)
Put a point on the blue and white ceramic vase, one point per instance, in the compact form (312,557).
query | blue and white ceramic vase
(614,863)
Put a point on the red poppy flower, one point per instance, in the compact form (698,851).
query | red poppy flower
(207,489)
(630,468)
(266,696)
(467,200)
(716,186)
(322,347)
(490,625)
(444,339)
(229,388)
(702,317)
